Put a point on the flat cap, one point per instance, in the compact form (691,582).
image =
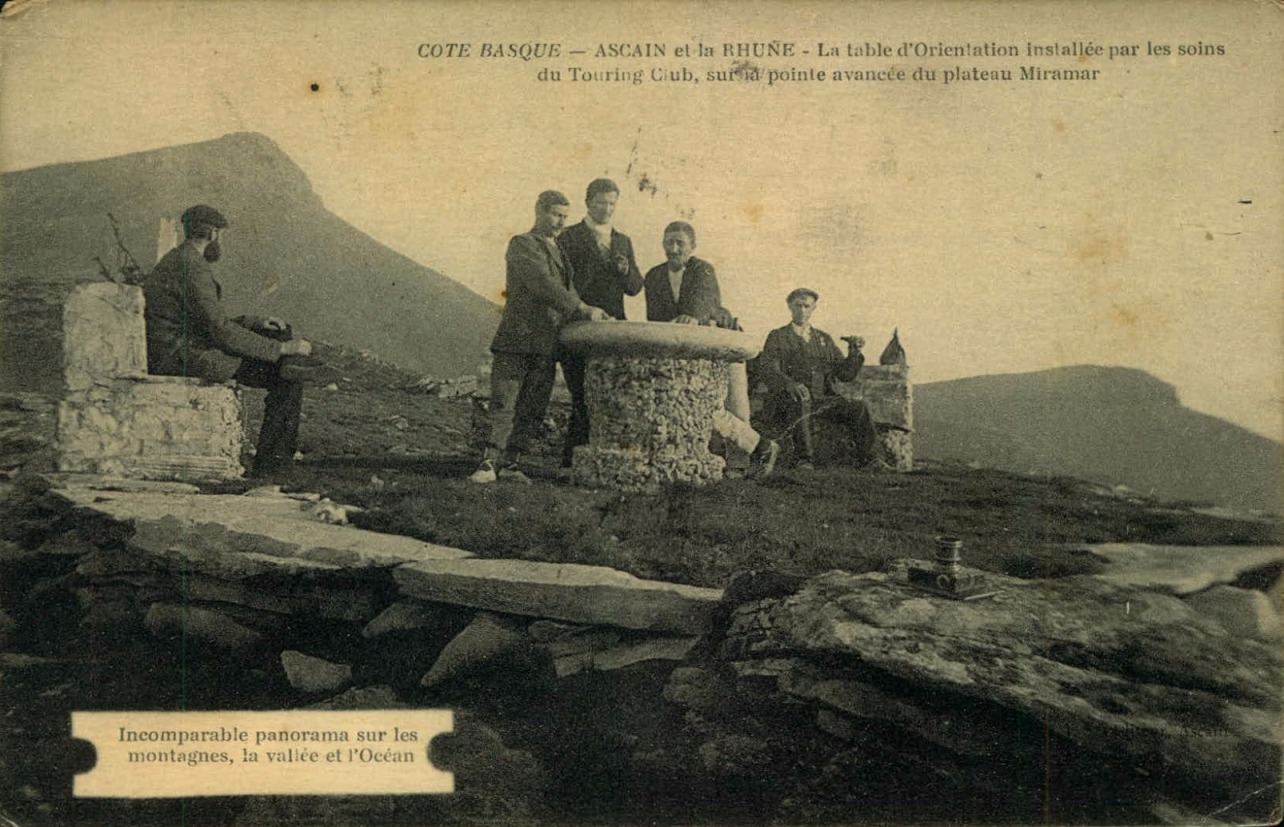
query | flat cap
(203,215)
(802,291)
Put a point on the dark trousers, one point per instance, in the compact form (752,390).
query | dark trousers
(792,418)
(577,430)
(279,436)
(520,387)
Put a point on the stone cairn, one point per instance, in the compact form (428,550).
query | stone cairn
(652,391)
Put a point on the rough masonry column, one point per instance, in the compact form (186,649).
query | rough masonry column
(652,390)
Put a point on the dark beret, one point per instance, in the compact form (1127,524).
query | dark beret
(802,291)
(203,215)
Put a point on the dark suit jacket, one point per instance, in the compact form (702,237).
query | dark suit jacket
(699,297)
(188,331)
(597,280)
(787,360)
(540,297)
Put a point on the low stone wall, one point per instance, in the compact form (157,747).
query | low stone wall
(151,428)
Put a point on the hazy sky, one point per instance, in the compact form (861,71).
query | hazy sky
(1132,220)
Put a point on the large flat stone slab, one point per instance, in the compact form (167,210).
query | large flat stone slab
(563,591)
(268,530)
(1117,670)
(660,340)
(1181,569)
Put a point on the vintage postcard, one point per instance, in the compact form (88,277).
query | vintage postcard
(1020,566)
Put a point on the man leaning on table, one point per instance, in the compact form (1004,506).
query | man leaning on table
(541,297)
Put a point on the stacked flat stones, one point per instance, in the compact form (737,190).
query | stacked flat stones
(652,390)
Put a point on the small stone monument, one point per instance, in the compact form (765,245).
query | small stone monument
(75,395)
(652,390)
(887,390)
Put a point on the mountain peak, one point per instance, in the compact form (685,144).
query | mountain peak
(285,255)
(1105,423)
(1099,384)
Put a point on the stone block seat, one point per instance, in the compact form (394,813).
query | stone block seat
(888,392)
(75,395)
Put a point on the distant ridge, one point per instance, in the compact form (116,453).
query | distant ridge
(1108,424)
(286,254)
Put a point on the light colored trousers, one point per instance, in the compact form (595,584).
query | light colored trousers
(731,422)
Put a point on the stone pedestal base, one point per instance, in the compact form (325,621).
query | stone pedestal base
(898,449)
(151,428)
(650,420)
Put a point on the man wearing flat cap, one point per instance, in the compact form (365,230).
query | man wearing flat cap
(190,334)
(799,364)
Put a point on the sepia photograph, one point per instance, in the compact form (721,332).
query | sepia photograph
(747,412)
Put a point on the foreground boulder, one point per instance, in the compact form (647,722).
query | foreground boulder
(1136,678)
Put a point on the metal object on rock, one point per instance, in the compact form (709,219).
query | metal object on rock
(947,578)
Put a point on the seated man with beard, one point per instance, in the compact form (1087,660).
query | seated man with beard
(190,334)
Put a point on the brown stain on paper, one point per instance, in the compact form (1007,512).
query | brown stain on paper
(1096,244)
(1125,316)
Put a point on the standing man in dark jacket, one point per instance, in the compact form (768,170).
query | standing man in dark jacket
(189,334)
(799,364)
(541,298)
(605,270)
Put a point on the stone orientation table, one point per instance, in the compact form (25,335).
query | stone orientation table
(652,390)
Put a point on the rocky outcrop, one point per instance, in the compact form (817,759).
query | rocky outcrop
(1069,699)
(311,674)
(1242,612)
(229,535)
(1131,676)
(487,639)
(1181,569)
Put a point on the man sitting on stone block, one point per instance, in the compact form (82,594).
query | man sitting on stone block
(190,334)
(799,364)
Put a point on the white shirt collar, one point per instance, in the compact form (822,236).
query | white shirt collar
(675,281)
(803,331)
(600,230)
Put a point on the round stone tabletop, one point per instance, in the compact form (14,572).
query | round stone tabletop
(660,340)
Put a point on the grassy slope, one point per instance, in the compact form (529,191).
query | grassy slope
(800,522)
